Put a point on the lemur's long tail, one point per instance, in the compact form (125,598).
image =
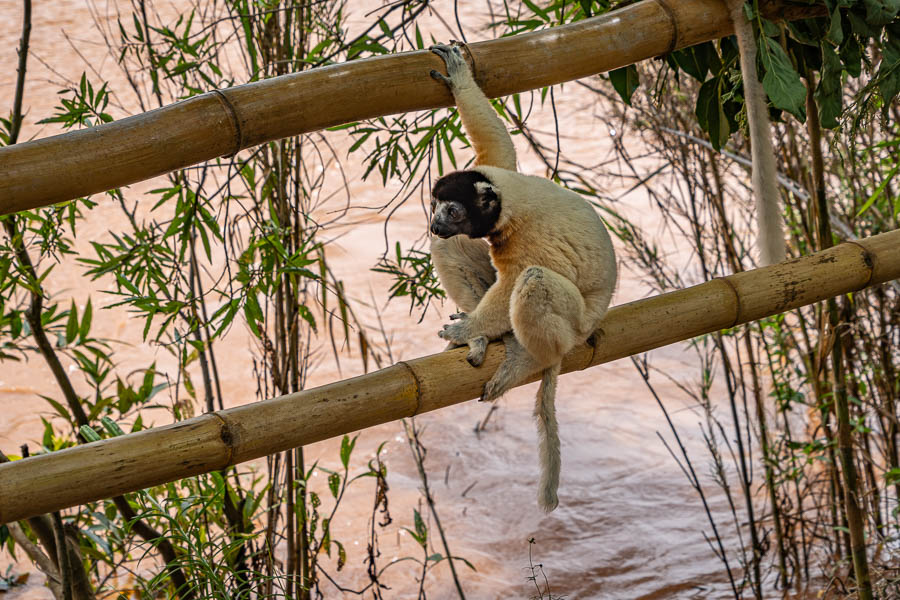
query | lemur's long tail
(548,438)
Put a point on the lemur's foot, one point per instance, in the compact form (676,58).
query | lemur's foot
(477,350)
(454,61)
(516,366)
(490,392)
(497,385)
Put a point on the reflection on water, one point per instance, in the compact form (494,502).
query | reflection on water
(628,525)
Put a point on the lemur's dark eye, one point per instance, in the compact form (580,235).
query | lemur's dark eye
(453,212)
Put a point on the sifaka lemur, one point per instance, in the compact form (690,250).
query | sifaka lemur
(543,280)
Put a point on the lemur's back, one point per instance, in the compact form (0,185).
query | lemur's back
(554,228)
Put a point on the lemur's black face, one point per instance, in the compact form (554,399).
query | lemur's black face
(464,202)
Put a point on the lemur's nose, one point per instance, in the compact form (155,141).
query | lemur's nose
(435,228)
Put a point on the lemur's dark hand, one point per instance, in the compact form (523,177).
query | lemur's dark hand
(462,333)
(459,332)
(457,69)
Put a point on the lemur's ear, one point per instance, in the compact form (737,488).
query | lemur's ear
(487,194)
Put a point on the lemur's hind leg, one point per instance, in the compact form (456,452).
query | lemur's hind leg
(547,311)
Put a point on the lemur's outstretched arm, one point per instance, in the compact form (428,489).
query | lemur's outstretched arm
(487,133)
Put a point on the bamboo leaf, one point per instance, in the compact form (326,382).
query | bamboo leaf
(878,191)
(85,322)
(342,555)
(59,408)
(537,10)
(72,324)
(347,445)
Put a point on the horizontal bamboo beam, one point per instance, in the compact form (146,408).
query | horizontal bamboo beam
(219,123)
(107,468)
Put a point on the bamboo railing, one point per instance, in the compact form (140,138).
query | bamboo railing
(222,122)
(216,440)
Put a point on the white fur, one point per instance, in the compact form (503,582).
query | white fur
(554,265)
(482,187)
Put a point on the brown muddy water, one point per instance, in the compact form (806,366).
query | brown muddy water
(628,526)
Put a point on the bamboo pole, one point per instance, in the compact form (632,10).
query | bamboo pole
(57,480)
(222,122)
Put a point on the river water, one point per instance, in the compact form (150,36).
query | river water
(629,525)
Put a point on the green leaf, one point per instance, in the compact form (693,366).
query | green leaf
(781,81)
(111,427)
(468,564)
(878,191)
(860,24)
(711,113)
(89,434)
(586,7)
(421,529)
(835,33)
(347,445)
(420,44)
(342,555)
(696,60)
(625,81)
(888,75)
(85,322)
(537,10)
(326,536)
(829,92)
(334,484)
(851,57)
(881,12)
(59,408)
(72,324)
(769,28)
(892,476)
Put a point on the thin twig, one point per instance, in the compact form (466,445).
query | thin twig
(16,125)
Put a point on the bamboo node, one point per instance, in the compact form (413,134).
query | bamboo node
(674,21)
(593,341)
(227,436)
(471,61)
(868,260)
(231,111)
(737,299)
(412,372)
